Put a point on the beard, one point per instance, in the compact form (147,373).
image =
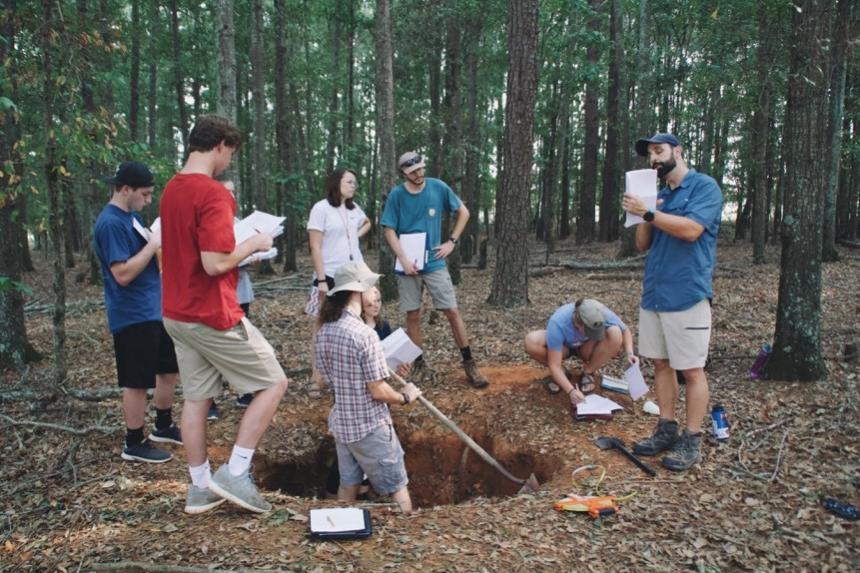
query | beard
(665,167)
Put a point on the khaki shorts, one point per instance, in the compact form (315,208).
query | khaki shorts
(681,336)
(438,283)
(377,455)
(240,354)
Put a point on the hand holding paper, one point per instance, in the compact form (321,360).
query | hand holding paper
(399,349)
(635,381)
(642,185)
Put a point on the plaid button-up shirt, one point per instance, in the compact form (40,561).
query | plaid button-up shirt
(349,356)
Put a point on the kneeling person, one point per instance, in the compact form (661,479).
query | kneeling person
(349,358)
(585,328)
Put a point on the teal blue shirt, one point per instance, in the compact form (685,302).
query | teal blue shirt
(679,273)
(406,212)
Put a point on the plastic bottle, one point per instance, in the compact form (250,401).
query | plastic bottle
(760,361)
(720,423)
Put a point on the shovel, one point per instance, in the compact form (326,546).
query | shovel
(609,443)
(529,485)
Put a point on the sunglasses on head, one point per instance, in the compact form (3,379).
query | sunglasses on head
(410,162)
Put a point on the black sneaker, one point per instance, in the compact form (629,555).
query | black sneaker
(684,453)
(664,437)
(213,415)
(146,452)
(244,400)
(170,435)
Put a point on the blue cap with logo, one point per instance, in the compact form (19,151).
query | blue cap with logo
(642,144)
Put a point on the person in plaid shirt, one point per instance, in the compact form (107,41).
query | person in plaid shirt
(350,359)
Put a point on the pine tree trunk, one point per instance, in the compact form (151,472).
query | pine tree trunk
(226,104)
(585,223)
(452,169)
(611,181)
(134,79)
(177,72)
(385,129)
(258,87)
(761,124)
(839,49)
(471,182)
(797,340)
(284,169)
(335,34)
(510,278)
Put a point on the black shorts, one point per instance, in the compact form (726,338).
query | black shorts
(143,350)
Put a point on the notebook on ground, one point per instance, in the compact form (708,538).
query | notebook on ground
(340,523)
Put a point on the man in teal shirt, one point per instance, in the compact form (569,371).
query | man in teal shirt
(416,206)
(675,314)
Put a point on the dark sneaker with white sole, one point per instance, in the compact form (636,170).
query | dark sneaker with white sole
(146,452)
(664,437)
(239,489)
(170,435)
(685,453)
(213,414)
(201,499)
(245,400)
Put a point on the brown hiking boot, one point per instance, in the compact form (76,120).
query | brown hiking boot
(421,373)
(473,375)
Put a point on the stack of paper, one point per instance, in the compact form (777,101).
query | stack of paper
(399,349)
(643,184)
(596,407)
(414,247)
(258,222)
(615,385)
(340,523)
(260,256)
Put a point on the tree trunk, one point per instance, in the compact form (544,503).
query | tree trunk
(585,227)
(335,34)
(471,181)
(797,340)
(226,84)
(15,348)
(452,170)
(609,198)
(177,72)
(385,129)
(55,214)
(69,216)
(134,80)
(761,123)
(282,137)
(838,51)
(510,278)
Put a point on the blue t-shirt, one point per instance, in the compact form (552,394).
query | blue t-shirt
(115,241)
(679,273)
(421,213)
(561,332)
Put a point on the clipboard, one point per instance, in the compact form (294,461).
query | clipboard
(340,523)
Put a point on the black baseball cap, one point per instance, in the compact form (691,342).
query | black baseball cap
(131,173)
(642,144)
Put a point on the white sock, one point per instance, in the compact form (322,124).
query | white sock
(200,475)
(240,460)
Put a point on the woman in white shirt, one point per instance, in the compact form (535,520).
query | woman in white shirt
(335,226)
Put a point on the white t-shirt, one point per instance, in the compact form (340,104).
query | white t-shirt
(337,243)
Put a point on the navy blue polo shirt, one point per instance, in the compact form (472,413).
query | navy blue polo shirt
(116,241)
(679,273)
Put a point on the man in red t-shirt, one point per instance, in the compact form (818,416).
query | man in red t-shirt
(213,338)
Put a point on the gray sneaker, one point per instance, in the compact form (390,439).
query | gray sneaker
(238,489)
(664,437)
(422,373)
(684,453)
(200,500)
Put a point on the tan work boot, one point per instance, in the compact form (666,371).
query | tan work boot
(473,375)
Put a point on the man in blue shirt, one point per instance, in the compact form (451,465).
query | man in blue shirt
(416,206)
(675,313)
(145,357)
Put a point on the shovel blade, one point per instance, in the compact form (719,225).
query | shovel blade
(531,485)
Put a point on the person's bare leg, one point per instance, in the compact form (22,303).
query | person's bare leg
(259,415)
(401,496)
(134,407)
(315,376)
(535,346)
(413,327)
(666,387)
(458,327)
(603,351)
(165,390)
(347,492)
(698,395)
(194,430)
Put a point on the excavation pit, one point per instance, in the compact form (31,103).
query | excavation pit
(442,469)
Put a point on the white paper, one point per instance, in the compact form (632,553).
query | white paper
(337,519)
(260,256)
(643,184)
(413,247)
(258,222)
(633,377)
(595,404)
(399,349)
(141,230)
(156,225)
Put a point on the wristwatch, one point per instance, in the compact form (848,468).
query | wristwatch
(405,398)
(453,239)
(648,216)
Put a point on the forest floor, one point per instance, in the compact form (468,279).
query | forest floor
(753,504)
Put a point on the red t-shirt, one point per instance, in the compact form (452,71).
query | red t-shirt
(197,215)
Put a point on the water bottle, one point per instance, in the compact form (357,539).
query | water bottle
(760,361)
(720,423)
